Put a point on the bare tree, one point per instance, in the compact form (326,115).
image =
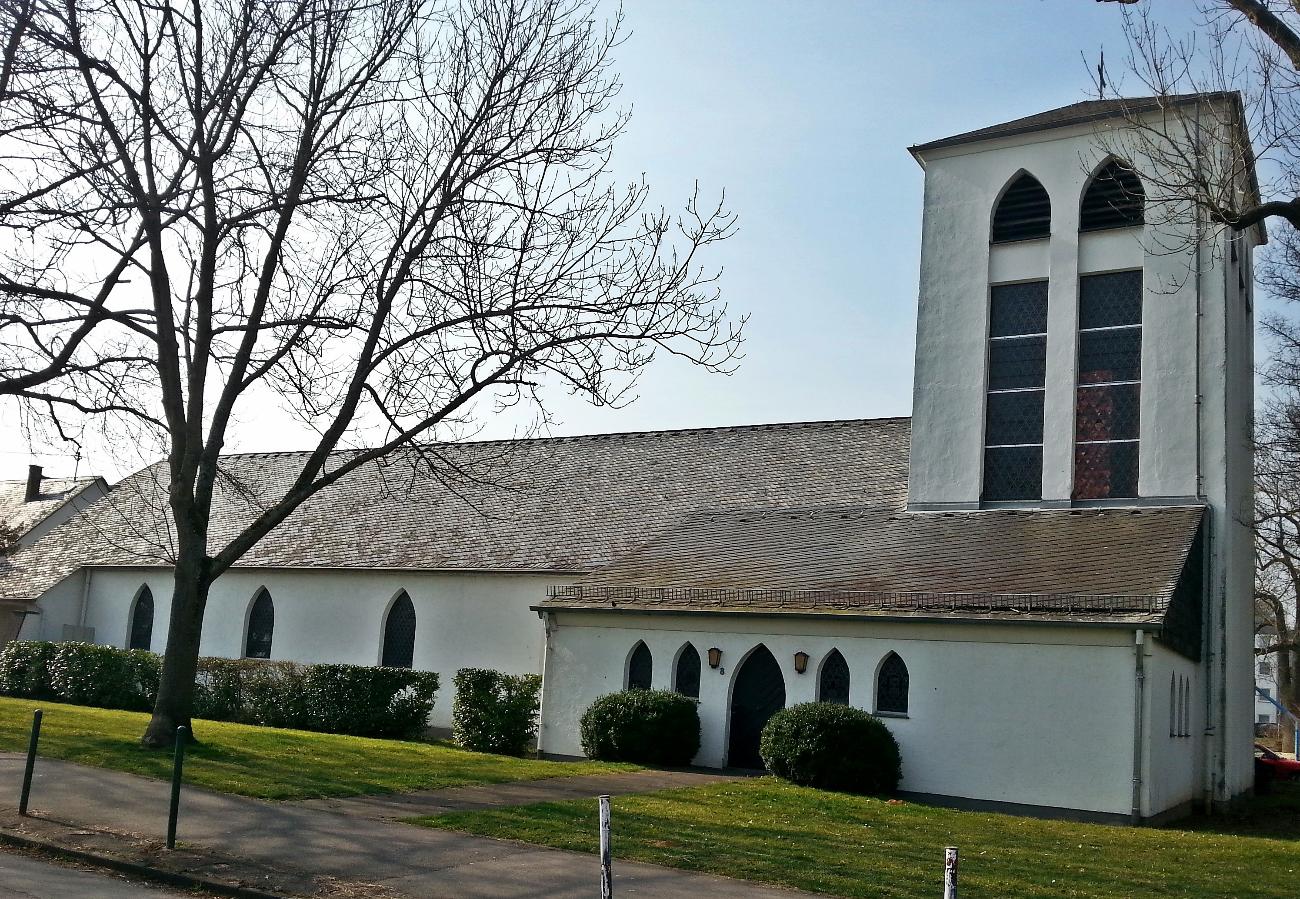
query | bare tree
(1277,550)
(395,215)
(1237,80)
(63,336)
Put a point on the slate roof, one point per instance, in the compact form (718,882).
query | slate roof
(21,517)
(1112,562)
(1075,114)
(570,505)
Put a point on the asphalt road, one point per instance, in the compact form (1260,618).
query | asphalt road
(29,877)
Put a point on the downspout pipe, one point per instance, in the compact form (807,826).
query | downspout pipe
(1139,703)
(547,628)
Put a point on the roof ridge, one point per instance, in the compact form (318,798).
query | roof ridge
(605,435)
(1077,113)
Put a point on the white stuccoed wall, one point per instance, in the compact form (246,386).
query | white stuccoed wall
(1185,453)
(462,620)
(1031,715)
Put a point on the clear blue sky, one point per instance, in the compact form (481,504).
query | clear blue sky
(803,112)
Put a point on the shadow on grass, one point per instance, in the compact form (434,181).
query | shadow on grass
(1275,815)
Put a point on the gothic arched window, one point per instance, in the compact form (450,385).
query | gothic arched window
(891,686)
(1114,199)
(399,633)
(639,667)
(261,627)
(686,679)
(1023,213)
(833,686)
(142,620)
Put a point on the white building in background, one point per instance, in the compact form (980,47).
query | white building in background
(30,509)
(1041,581)
(1265,680)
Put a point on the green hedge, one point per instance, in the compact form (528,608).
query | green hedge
(344,699)
(495,712)
(655,727)
(832,747)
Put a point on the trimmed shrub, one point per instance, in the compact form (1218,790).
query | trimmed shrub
(832,747)
(655,727)
(369,701)
(104,676)
(495,712)
(347,699)
(25,669)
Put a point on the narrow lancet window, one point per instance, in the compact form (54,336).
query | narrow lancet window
(640,668)
(261,627)
(142,621)
(686,679)
(834,682)
(891,686)
(399,634)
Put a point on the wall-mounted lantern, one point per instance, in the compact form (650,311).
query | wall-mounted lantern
(800,661)
(715,657)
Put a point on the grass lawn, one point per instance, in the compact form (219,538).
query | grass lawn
(766,830)
(265,762)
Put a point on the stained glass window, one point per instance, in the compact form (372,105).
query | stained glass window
(399,634)
(261,627)
(891,685)
(639,668)
(1108,397)
(142,621)
(834,686)
(1013,414)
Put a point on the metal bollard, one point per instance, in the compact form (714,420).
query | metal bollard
(31,762)
(606,868)
(178,763)
(950,873)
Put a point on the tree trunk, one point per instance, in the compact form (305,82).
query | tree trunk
(1288,667)
(180,663)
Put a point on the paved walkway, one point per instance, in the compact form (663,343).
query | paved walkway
(412,861)
(26,877)
(527,792)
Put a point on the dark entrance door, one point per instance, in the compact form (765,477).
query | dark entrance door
(758,694)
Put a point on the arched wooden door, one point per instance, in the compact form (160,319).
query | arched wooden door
(758,694)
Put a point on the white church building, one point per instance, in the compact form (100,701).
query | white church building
(1041,581)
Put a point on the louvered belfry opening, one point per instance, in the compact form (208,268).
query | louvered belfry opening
(1023,213)
(1114,199)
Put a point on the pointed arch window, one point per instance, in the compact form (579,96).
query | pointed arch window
(141,636)
(891,686)
(686,679)
(1023,213)
(833,685)
(1114,199)
(261,627)
(399,633)
(640,667)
